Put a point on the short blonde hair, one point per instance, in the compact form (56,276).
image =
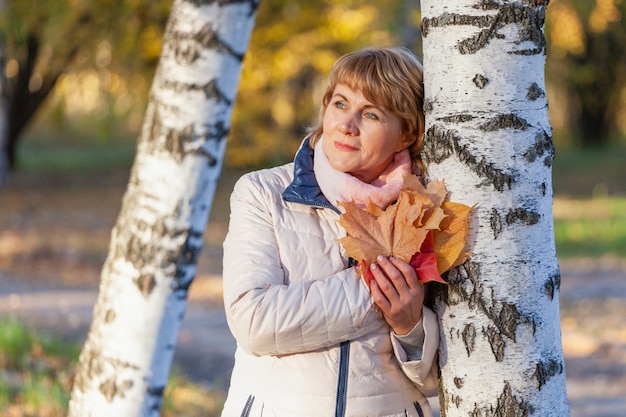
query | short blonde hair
(389,77)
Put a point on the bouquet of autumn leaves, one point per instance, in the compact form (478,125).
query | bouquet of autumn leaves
(421,228)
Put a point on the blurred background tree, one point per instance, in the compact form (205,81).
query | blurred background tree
(73,63)
(586,69)
(78,71)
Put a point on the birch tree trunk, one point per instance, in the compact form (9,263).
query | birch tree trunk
(125,362)
(489,138)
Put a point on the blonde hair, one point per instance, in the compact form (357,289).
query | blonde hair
(389,77)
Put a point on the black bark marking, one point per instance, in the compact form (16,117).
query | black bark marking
(154,131)
(535,92)
(504,121)
(504,316)
(529,16)
(494,336)
(428,106)
(110,388)
(162,138)
(155,394)
(487,5)
(187,47)
(175,141)
(546,370)
(217,131)
(496,223)
(480,81)
(449,19)
(187,256)
(552,285)
(456,400)
(210,38)
(455,293)
(211,159)
(469,338)
(156,391)
(508,319)
(146,284)
(440,143)
(527,217)
(543,146)
(458,382)
(509,406)
(210,89)
(173,262)
(457,118)
(109,316)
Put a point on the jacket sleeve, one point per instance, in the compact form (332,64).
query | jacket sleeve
(268,316)
(423,372)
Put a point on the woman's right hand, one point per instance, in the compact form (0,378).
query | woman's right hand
(397,292)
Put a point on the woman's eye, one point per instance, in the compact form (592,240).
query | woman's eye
(371,115)
(340,104)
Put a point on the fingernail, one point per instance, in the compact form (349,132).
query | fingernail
(373,266)
(379,257)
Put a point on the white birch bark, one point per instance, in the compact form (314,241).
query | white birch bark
(489,138)
(125,362)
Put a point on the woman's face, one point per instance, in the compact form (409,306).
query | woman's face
(360,137)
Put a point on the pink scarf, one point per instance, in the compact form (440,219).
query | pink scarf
(340,186)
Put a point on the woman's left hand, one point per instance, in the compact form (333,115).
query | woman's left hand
(397,293)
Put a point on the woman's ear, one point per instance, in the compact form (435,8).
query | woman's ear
(407,140)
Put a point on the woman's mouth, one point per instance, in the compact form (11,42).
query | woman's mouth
(344,147)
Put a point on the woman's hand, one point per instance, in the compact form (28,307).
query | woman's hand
(397,293)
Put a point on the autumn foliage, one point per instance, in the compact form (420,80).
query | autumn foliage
(420,228)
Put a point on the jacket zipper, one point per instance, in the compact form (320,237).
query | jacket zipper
(418,408)
(248,406)
(342,384)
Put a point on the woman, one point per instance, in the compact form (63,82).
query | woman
(310,341)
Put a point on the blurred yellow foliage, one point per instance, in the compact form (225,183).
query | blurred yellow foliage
(567,31)
(604,12)
(151,42)
(348,24)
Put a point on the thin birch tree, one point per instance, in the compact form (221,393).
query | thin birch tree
(125,362)
(489,138)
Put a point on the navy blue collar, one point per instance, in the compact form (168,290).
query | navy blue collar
(304,188)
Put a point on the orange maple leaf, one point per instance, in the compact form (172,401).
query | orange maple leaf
(449,242)
(401,230)
(373,231)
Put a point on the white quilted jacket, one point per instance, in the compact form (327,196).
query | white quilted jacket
(306,344)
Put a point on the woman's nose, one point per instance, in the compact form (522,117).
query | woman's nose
(348,126)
